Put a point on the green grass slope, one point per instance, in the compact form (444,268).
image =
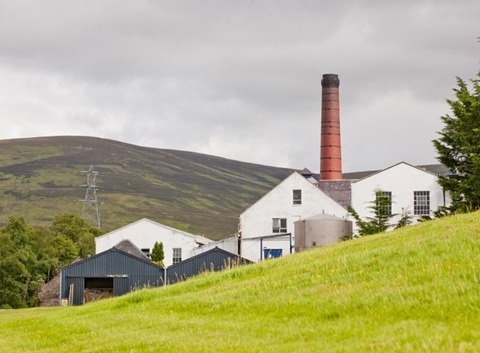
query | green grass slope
(412,290)
(42,177)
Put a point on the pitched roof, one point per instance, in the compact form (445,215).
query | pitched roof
(198,238)
(130,248)
(213,250)
(438,169)
(115,249)
(313,185)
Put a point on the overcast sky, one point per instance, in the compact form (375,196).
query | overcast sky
(237,79)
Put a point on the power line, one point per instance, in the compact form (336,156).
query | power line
(91,211)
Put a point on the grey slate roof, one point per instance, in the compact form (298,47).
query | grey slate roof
(130,248)
(438,169)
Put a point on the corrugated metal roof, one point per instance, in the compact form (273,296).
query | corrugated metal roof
(111,263)
(212,260)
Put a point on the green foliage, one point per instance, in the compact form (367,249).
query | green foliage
(158,254)
(405,220)
(53,251)
(31,257)
(458,147)
(77,229)
(19,232)
(416,291)
(20,275)
(70,225)
(381,209)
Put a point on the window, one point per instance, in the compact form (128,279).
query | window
(383,201)
(279,225)
(146,251)
(272,253)
(177,255)
(297,197)
(421,203)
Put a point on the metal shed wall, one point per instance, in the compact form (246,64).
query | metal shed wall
(79,286)
(213,260)
(136,273)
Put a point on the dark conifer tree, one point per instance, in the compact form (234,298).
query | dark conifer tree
(458,147)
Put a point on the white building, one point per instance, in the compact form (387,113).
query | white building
(319,207)
(177,245)
(299,197)
(411,189)
(267,227)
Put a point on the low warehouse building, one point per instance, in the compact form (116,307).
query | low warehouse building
(113,272)
(215,259)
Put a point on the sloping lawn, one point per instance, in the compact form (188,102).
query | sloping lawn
(412,290)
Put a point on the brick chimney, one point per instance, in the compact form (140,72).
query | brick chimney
(330,145)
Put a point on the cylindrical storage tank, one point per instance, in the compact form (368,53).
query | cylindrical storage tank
(299,227)
(321,230)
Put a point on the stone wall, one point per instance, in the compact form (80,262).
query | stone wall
(49,295)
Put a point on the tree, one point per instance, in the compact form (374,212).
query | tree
(53,251)
(405,220)
(157,253)
(382,213)
(30,257)
(78,230)
(70,225)
(20,277)
(458,147)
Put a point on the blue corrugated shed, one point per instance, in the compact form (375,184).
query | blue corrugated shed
(215,259)
(113,269)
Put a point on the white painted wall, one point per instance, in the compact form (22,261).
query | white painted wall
(402,180)
(278,203)
(256,221)
(251,248)
(144,233)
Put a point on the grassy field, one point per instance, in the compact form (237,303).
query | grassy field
(412,290)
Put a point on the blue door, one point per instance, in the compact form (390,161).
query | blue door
(272,253)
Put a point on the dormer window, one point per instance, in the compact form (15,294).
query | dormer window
(297,197)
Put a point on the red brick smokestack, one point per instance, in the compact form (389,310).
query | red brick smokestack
(330,146)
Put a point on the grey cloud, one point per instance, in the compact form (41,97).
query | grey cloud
(237,79)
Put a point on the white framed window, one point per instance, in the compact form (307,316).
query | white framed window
(421,203)
(177,255)
(383,200)
(297,197)
(279,225)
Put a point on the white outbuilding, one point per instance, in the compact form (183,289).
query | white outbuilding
(412,190)
(317,209)
(177,245)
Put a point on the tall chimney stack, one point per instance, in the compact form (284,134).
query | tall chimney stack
(330,145)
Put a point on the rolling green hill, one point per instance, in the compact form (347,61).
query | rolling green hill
(416,289)
(198,193)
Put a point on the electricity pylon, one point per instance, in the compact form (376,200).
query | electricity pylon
(91,211)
